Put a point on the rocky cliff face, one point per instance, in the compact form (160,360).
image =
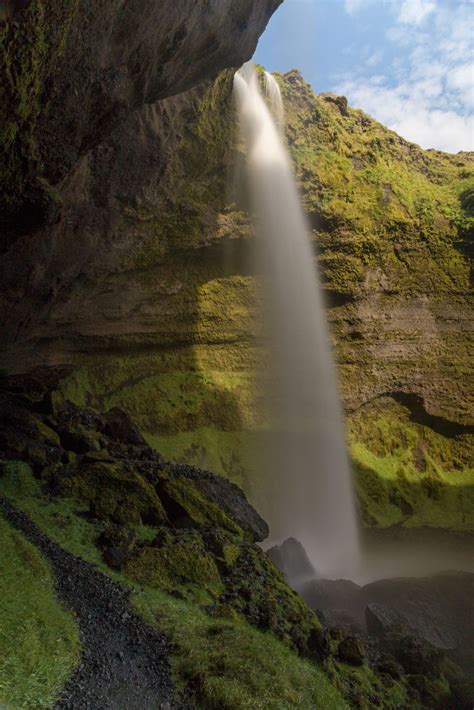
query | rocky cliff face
(73,72)
(137,269)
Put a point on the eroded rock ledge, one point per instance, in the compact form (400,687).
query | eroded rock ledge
(74,71)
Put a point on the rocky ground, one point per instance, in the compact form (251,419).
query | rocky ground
(192,535)
(414,624)
(124,662)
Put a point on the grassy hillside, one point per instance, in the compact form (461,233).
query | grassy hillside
(39,640)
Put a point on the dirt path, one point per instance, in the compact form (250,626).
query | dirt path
(123,662)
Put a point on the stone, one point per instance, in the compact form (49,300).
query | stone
(414,655)
(380,619)
(117,544)
(339,595)
(290,557)
(351,650)
(437,609)
(229,498)
(120,427)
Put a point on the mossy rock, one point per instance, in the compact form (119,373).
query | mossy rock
(174,561)
(351,650)
(186,506)
(46,433)
(116,493)
(258,591)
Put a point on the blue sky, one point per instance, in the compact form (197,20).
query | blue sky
(408,63)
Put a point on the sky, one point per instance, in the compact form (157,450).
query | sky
(407,63)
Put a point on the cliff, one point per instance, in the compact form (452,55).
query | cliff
(139,273)
(128,286)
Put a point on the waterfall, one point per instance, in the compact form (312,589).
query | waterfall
(273,94)
(308,490)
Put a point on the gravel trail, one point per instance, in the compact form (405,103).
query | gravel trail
(124,663)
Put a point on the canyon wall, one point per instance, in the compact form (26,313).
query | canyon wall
(127,254)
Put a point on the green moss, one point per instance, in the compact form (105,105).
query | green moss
(46,433)
(228,453)
(197,506)
(174,563)
(115,492)
(373,196)
(364,689)
(407,473)
(39,640)
(256,589)
(231,554)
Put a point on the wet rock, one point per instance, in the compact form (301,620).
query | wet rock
(340,596)
(290,557)
(80,443)
(120,427)
(389,667)
(117,544)
(431,695)
(415,656)
(380,619)
(438,609)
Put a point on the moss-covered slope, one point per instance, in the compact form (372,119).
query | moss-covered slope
(182,541)
(391,225)
(147,287)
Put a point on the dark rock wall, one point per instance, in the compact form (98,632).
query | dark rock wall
(74,70)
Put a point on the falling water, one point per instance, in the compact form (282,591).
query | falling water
(273,95)
(310,493)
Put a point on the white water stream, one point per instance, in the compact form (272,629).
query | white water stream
(308,490)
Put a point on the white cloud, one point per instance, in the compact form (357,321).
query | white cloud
(427,92)
(352,6)
(412,115)
(461,79)
(415,11)
(374,58)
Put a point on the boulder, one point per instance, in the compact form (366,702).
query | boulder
(227,497)
(380,619)
(340,596)
(120,428)
(290,557)
(351,650)
(117,544)
(438,609)
(414,655)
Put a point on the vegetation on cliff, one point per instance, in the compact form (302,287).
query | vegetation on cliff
(391,225)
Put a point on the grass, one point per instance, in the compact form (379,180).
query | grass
(362,684)
(58,518)
(230,665)
(226,663)
(39,640)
